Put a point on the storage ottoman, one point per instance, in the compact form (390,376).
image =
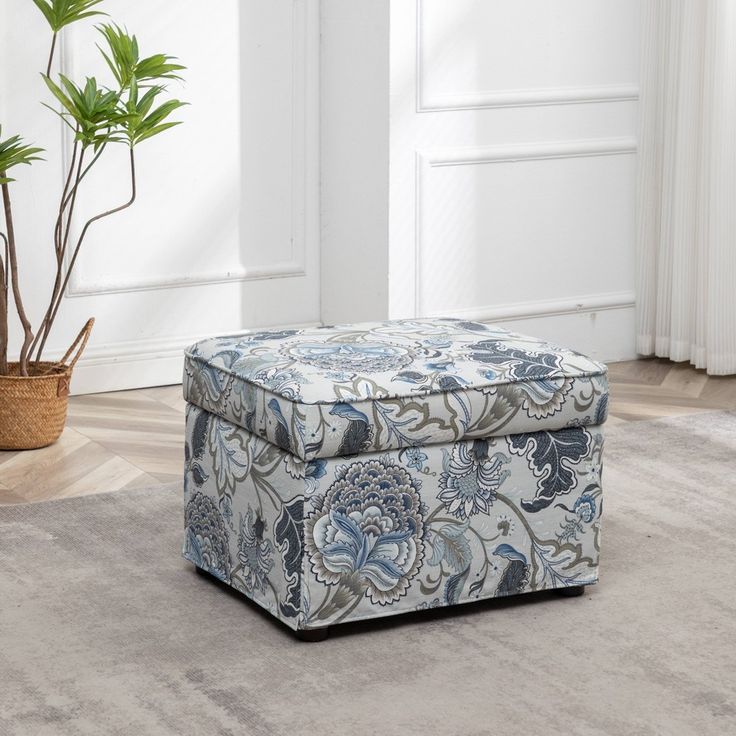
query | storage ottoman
(343,473)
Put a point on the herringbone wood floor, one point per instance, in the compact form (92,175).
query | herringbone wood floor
(134,439)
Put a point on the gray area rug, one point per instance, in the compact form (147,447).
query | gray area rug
(104,629)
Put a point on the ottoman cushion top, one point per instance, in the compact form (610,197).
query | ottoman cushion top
(346,389)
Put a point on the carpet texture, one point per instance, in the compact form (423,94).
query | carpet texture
(104,629)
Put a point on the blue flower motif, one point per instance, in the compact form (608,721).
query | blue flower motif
(254,552)
(601,411)
(470,478)
(206,542)
(367,531)
(316,468)
(442,364)
(540,386)
(585,508)
(415,458)
(436,343)
(310,471)
(227,507)
(515,576)
(263,335)
(286,382)
(351,357)
(552,456)
(522,364)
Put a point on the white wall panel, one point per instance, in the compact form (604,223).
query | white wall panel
(496,225)
(512,166)
(224,234)
(440,190)
(220,186)
(489,53)
(354,158)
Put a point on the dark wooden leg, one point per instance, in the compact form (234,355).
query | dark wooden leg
(571,592)
(313,634)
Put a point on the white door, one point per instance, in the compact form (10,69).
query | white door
(512,165)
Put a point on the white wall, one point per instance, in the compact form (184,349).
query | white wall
(355,131)
(367,160)
(512,166)
(225,231)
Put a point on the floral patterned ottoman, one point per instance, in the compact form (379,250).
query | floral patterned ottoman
(352,472)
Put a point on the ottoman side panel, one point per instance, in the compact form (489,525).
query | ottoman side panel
(273,417)
(424,527)
(244,512)
(350,427)
(345,425)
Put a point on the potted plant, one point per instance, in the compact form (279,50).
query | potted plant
(133,109)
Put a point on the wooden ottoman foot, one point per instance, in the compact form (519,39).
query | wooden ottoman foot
(313,634)
(572,592)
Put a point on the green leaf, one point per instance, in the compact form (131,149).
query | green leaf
(150,132)
(99,115)
(93,112)
(56,91)
(60,13)
(13,152)
(47,10)
(141,120)
(123,58)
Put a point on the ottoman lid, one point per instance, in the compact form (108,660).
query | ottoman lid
(346,389)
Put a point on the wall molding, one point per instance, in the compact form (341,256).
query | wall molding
(549,308)
(529,97)
(525,97)
(537,151)
(157,347)
(304,83)
(122,285)
(427,159)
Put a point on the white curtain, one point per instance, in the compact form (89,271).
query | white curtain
(687,184)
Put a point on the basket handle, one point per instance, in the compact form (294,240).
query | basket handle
(81,341)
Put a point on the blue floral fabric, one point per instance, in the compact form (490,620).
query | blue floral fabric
(351,389)
(338,539)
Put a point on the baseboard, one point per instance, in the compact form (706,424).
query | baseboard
(547,308)
(136,363)
(599,325)
(608,335)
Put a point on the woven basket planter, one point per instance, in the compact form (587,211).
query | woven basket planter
(33,408)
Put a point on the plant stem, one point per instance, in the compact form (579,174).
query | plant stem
(61,238)
(67,182)
(68,199)
(64,241)
(68,195)
(60,241)
(54,311)
(51,54)
(13,269)
(4,329)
